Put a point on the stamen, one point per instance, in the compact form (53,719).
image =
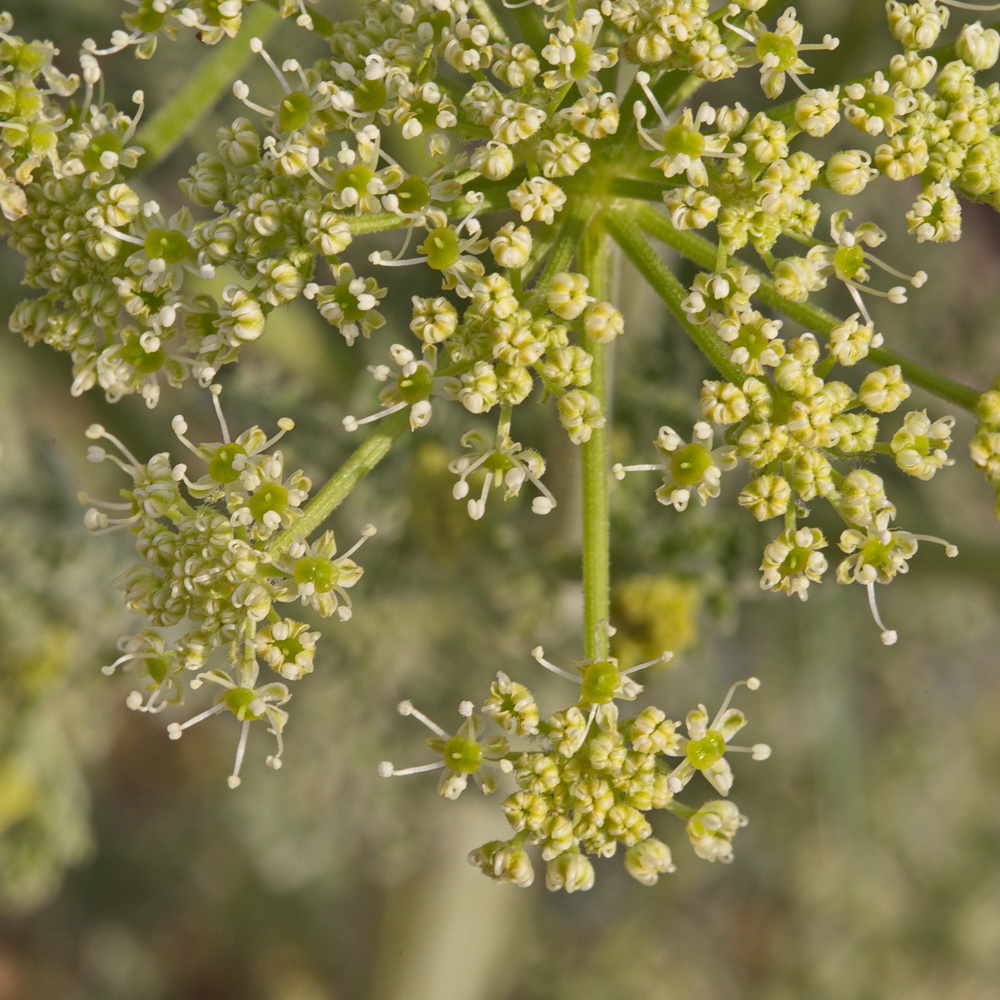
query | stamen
(618,470)
(234,779)
(366,532)
(95,432)
(950,550)
(175,729)
(406,708)
(242,93)
(751,683)
(664,657)
(387,770)
(888,636)
(539,655)
(216,391)
(257,47)
(477,508)
(353,423)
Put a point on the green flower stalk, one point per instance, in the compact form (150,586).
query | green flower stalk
(488,145)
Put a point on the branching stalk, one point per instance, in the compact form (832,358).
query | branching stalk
(819,321)
(363,460)
(592,261)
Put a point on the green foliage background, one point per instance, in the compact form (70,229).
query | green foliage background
(128,871)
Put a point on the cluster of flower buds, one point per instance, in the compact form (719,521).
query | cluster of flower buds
(219,555)
(587,776)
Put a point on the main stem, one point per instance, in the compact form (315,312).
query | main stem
(592,260)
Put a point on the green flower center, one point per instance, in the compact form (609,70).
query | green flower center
(25,57)
(413,194)
(600,682)
(689,464)
(270,497)
(220,468)
(681,141)
(348,303)
(707,751)
(848,262)
(780,48)
(294,110)
(141,360)
(441,248)
(498,462)
(357,177)
(875,553)
(463,755)
(370,95)
(877,105)
(157,667)
(580,65)
(321,573)
(416,386)
(796,561)
(100,144)
(289,648)
(170,244)
(146,18)
(238,702)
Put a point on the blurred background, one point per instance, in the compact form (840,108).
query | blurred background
(871,865)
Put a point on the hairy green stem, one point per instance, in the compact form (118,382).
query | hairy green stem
(162,133)
(704,254)
(592,260)
(371,451)
(567,244)
(626,233)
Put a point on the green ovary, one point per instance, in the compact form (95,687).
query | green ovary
(357,177)
(782,48)
(145,362)
(272,497)
(220,468)
(707,751)
(796,561)
(600,682)
(169,244)
(348,303)
(848,262)
(877,106)
(26,57)
(319,572)
(106,143)
(441,248)
(294,111)
(413,194)
(689,464)
(370,95)
(289,648)
(681,141)
(463,755)
(580,65)
(147,19)
(498,462)
(875,553)
(238,702)
(416,386)
(157,667)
